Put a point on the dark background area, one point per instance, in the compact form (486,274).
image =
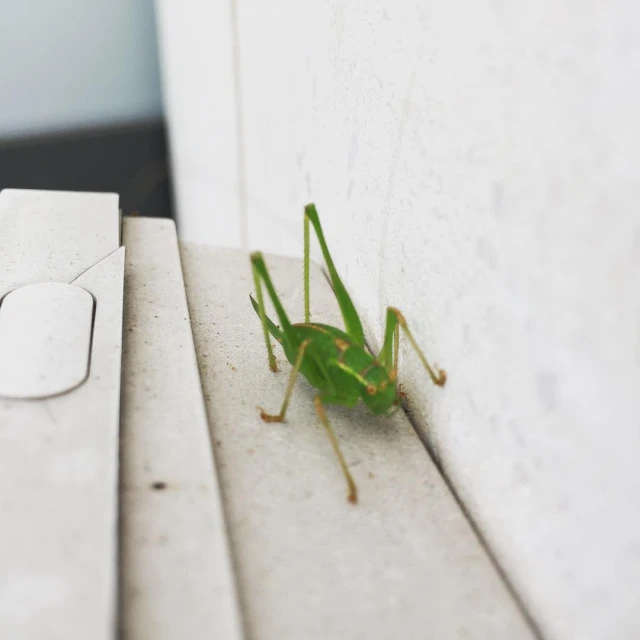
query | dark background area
(130,160)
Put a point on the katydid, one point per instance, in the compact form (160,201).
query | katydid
(336,362)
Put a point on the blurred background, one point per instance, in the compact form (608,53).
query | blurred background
(81,103)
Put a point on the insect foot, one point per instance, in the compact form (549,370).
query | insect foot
(442,377)
(268,417)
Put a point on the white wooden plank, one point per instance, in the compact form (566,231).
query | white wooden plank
(403,563)
(58,479)
(177,579)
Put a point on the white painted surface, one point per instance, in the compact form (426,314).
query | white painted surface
(45,340)
(177,579)
(59,456)
(198,52)
(70,64)
(54,236)
(476,165)
(402,563)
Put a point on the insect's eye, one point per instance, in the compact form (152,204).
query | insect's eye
(383,385)
(371,390)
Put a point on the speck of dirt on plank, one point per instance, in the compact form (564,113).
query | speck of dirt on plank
(159,486)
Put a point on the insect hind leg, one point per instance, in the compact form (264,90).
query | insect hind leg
(289,339)
(350,316)
(389,352)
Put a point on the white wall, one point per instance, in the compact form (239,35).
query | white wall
(199,94)
(73,63)
(477,165)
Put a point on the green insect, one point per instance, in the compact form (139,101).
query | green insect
(336,362)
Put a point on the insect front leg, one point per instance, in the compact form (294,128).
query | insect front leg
(268,417)
(389,352)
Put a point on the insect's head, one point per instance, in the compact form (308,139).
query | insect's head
(380,393)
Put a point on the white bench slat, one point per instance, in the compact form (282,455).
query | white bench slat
(177,579)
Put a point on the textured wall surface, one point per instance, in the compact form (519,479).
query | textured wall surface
(73,63)
(476,165)
(197,56)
